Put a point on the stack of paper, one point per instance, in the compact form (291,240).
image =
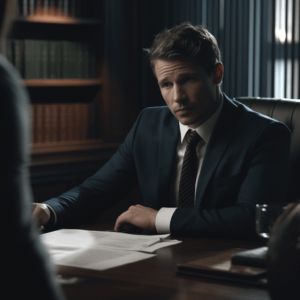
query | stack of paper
(100,250)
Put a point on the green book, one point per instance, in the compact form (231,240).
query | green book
(58,59)
(80,59)
(18,56)
(44,59)
(52,59)
(74,59)
(37,58)
(65,59)
(85,59)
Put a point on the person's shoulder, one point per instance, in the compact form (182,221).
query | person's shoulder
(156,112)
(159,116)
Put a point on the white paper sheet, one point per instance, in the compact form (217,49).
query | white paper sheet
(100,250)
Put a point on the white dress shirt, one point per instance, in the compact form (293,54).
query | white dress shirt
(163,218)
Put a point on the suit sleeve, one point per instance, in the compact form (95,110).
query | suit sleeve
(101,191)
(265,181)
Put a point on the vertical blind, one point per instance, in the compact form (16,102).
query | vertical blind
(258,39)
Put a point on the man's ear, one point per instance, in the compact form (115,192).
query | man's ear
(218,73)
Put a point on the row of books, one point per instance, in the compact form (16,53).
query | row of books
(63,122)
(67,8)
(52,59)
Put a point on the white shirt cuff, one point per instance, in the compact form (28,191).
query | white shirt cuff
(54,213)
(163,219)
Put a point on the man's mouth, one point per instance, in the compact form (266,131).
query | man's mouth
(183,109)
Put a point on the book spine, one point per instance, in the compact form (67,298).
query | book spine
(69,121)
(65,56)
(92,120)
(84,121)
(60,7)
(39,123)
(93,61)
(66,8)
(25,8)
(52,8)
(52,60)
(74,59)
(47,123)
(37,58)
(62,122)
(54,123)
(85,60)
(51,123)
(46,7)
(44,59)
(38,6)
(18,56)
(31,7)
(27,61)
(76,121)
(58,59)
(73,8)
(80,59)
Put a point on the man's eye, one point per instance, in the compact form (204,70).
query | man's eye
(166,84)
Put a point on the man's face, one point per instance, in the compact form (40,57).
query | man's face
(190,93)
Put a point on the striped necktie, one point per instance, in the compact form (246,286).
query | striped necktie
(189,170)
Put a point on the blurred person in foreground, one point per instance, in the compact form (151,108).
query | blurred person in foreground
(27,271)
(284,255)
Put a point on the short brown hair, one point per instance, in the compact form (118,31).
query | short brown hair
(183,42)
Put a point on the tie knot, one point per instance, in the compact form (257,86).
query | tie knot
(192,138)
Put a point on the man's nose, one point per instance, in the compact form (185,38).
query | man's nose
(179,94)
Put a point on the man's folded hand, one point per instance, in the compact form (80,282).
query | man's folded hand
(138,216)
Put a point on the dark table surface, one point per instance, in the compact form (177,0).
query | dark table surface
(156,277)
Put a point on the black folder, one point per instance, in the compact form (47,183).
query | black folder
(220,267)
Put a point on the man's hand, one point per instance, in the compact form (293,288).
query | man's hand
(41,214)
(139,216)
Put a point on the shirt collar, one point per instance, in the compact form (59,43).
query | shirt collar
(204,130)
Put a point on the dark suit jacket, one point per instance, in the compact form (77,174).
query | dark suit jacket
(246,162)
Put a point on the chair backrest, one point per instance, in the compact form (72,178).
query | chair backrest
(288,112)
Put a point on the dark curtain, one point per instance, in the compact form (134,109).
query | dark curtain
(259,42)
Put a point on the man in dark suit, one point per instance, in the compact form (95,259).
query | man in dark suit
(240,157)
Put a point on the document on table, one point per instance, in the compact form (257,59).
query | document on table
(100,250)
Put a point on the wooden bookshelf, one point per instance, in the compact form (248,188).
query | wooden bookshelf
(57,20)
(57,47)
(47,32)
(63,82)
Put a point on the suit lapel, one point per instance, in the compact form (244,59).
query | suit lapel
(217,145)
(166,159)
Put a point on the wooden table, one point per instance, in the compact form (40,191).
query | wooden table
(155,278)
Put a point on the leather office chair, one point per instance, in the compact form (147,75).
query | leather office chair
(288,112)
